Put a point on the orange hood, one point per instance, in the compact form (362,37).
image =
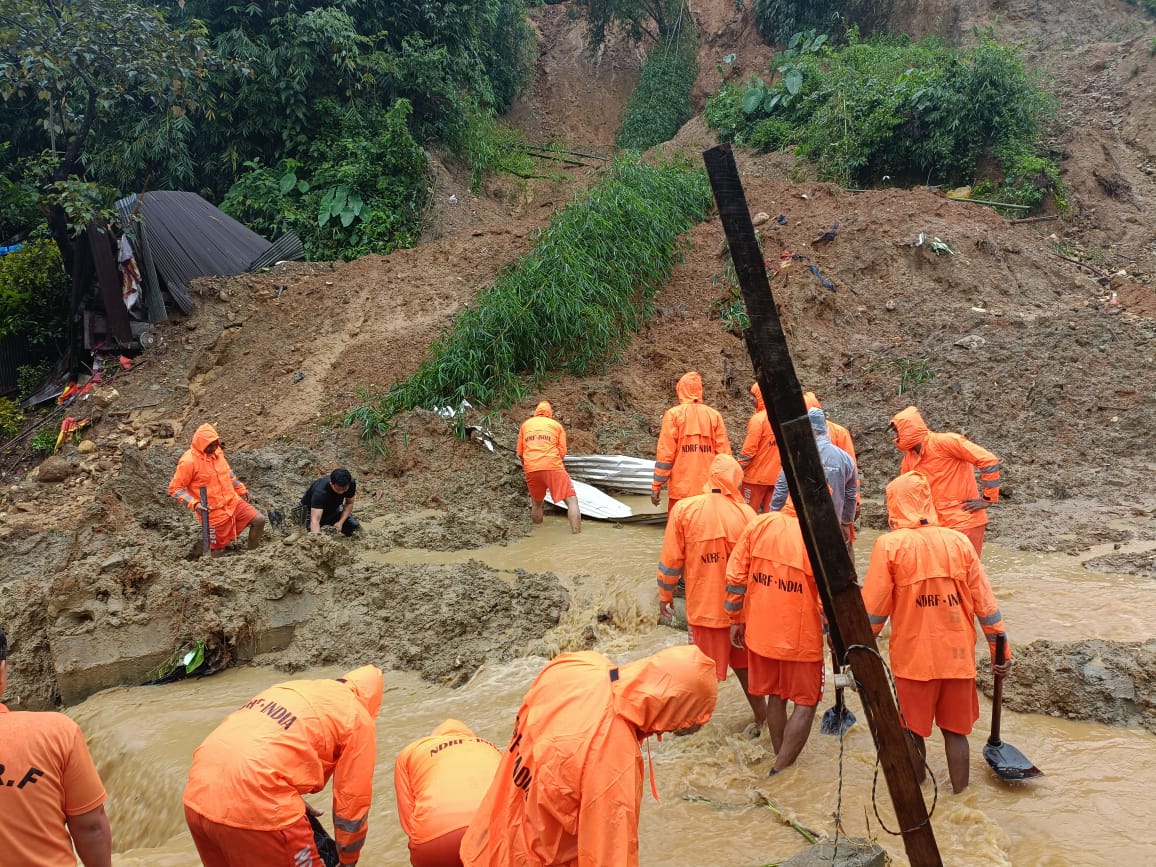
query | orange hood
(726,476)
(204,435)
(453,727)
(545,409)
(673,689)
(758,393)
(911,427)
(367,684)
(909,503)
(811,401)
(689,388)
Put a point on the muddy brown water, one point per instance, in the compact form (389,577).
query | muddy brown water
(1093,807)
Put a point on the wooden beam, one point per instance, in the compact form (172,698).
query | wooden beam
(830,559)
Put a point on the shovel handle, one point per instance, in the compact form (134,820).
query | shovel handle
(997,690)
(204,495)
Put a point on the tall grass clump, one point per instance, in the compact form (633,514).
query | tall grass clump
(568,306)
(661,104)
(915,112)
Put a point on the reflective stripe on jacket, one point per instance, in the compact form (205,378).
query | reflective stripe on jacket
(252,770)
(700,533)
(770,586)
(440,780)
(949,461)
(568,790)
(541,441)
(929,581)
(195,470)
(692,434)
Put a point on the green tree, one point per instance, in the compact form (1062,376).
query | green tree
(75,64)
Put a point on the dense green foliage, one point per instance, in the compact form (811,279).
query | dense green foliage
(779,20)
(914,112)
(660,104)
(44,442)
(569,305)
(358,191)
(1148,6)
(101,96)
(33,290)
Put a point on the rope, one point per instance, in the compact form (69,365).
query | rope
(875,776)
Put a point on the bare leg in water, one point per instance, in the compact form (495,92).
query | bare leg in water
(574,514)
(758,703)
(792,733)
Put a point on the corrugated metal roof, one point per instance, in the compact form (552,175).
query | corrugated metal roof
(287,248)
(617,472)
(188,238)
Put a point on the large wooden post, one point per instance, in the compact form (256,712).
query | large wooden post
(830,560)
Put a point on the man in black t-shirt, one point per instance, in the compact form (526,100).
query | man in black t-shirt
(329,502)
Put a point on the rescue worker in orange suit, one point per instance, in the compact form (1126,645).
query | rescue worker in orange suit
(243,802)
(759,457)
(776,614)
(700,534)
(928,580)
(569,787)
(440,780)
(949,461)
(542,446)
(51,797)
(692,434)
(204,465)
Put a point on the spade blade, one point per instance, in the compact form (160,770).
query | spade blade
(1009,763)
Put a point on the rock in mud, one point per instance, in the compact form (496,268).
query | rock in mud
(54,470)
(1111,682)
(851,852)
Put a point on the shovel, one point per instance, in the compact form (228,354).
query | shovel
(838,719)
(1008,762)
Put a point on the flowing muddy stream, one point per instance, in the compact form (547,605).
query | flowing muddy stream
(1093,807)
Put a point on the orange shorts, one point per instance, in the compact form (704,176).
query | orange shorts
(952,702)
(225,532)
(225,846)
(557,482)
(976,534)
(715,642)
(800,682)
(758,497)
(439,852)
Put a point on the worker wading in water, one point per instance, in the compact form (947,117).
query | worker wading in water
(542,446)
(928,580)
(243,800)
(776,615)
(692,434)
(949,461)
(569,787)
(759,457)
(204,465)
(440,780)
(700,534)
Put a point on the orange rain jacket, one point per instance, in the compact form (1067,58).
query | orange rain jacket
(700,534)
(929,581)
(196,470)
(541,441)
(692,434)
(947,460)
(759,457)
(440,780)
(770,585)
(569,788)
(252,770)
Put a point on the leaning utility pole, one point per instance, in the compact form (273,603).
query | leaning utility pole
(830,559)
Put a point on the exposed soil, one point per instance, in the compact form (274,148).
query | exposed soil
(1012,340)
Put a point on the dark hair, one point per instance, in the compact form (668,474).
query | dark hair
(3,646)
(341,477)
